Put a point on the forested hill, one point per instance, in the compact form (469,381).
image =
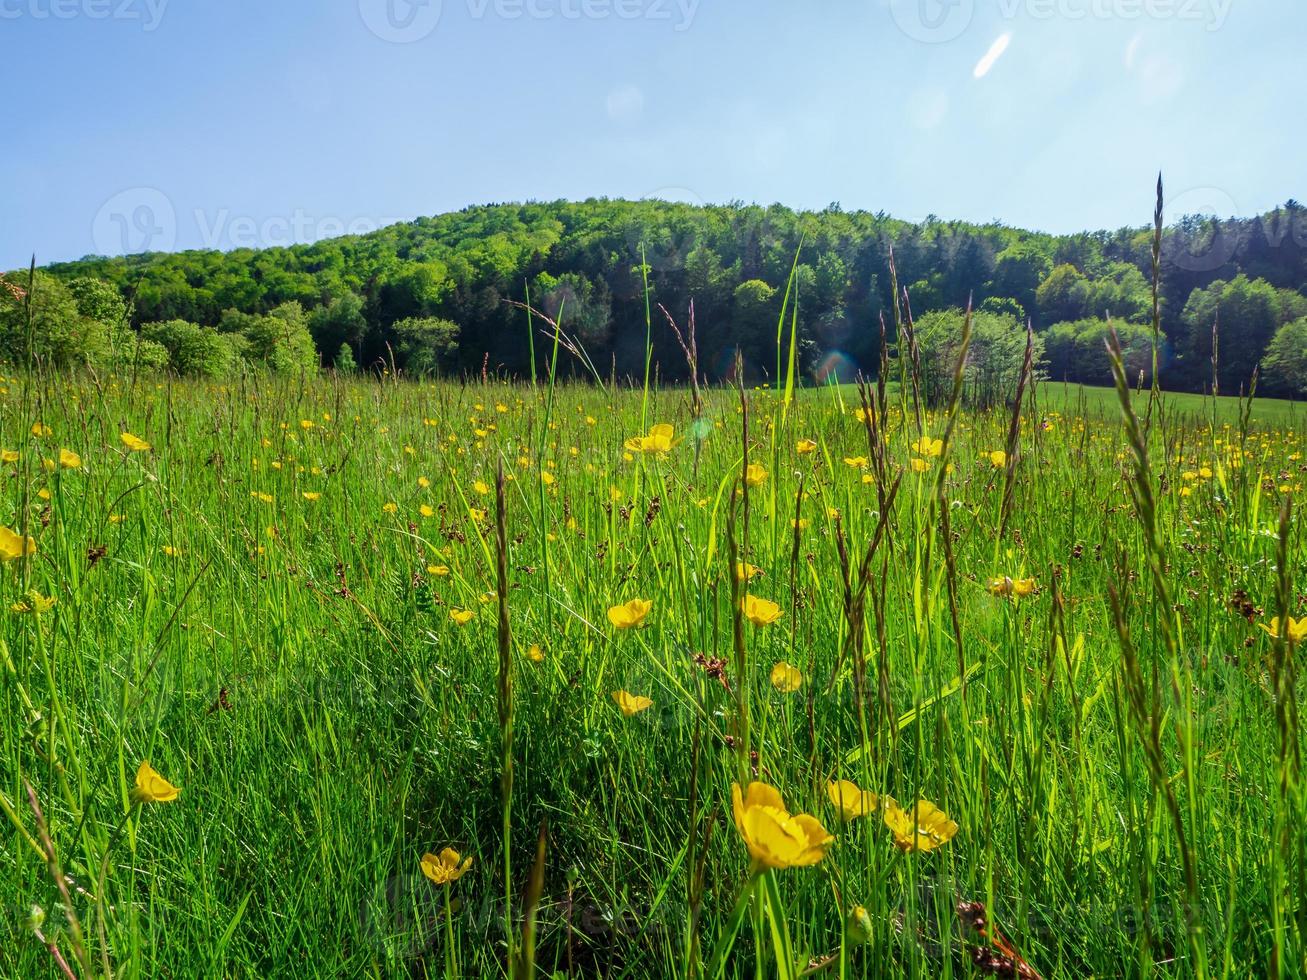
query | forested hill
(437,291)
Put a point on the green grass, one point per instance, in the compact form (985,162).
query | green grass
(292,665)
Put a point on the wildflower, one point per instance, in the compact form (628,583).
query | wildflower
(535,653)
(12,546)
(69,460)
(805,446)
(851,801)
(34,602)
(424,482)
(919,465)
(923,828)
(631,704)
(135,444)
(9,456)
(312,495)
(857,462)
(426,510)
(785,678)
(153,788)
(760,612)
(927,446)
(445,868)
(171,552)
(461,617)
(1296,631)
(997,459)
(1012,588)
(755,475)
(440,571)
(390,508)
(630,614)
(482,488)
(775,837)
(41,430)
(659,440)
(744,571)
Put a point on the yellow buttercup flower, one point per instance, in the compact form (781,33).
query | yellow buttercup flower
(1297,629)
(659,440)
(760,612)
(785,678)
(41,430)
(857,462)
(744,571)
(535,653)
(927,446)
(9,456)
(755,475)
(135,444)
(312,495)
(922,828)
(445,868)
(153,788)
(775,837)
(438,570)
(851,801)
(919,465)
(997,458)
(631,704)
(69,460)
(1012,588)
(461,617)
(426,510)
(805,446)
(13,547)
(630,614)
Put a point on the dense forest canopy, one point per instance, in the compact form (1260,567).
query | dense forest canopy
(437,294)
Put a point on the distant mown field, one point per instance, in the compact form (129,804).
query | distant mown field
(1022,698)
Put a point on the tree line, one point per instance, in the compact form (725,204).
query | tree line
(445,294)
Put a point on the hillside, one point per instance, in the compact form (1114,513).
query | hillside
(435,293)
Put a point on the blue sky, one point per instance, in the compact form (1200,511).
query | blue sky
(195,123)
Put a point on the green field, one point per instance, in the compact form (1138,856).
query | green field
(270,604)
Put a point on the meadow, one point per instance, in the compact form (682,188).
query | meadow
(457,678)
